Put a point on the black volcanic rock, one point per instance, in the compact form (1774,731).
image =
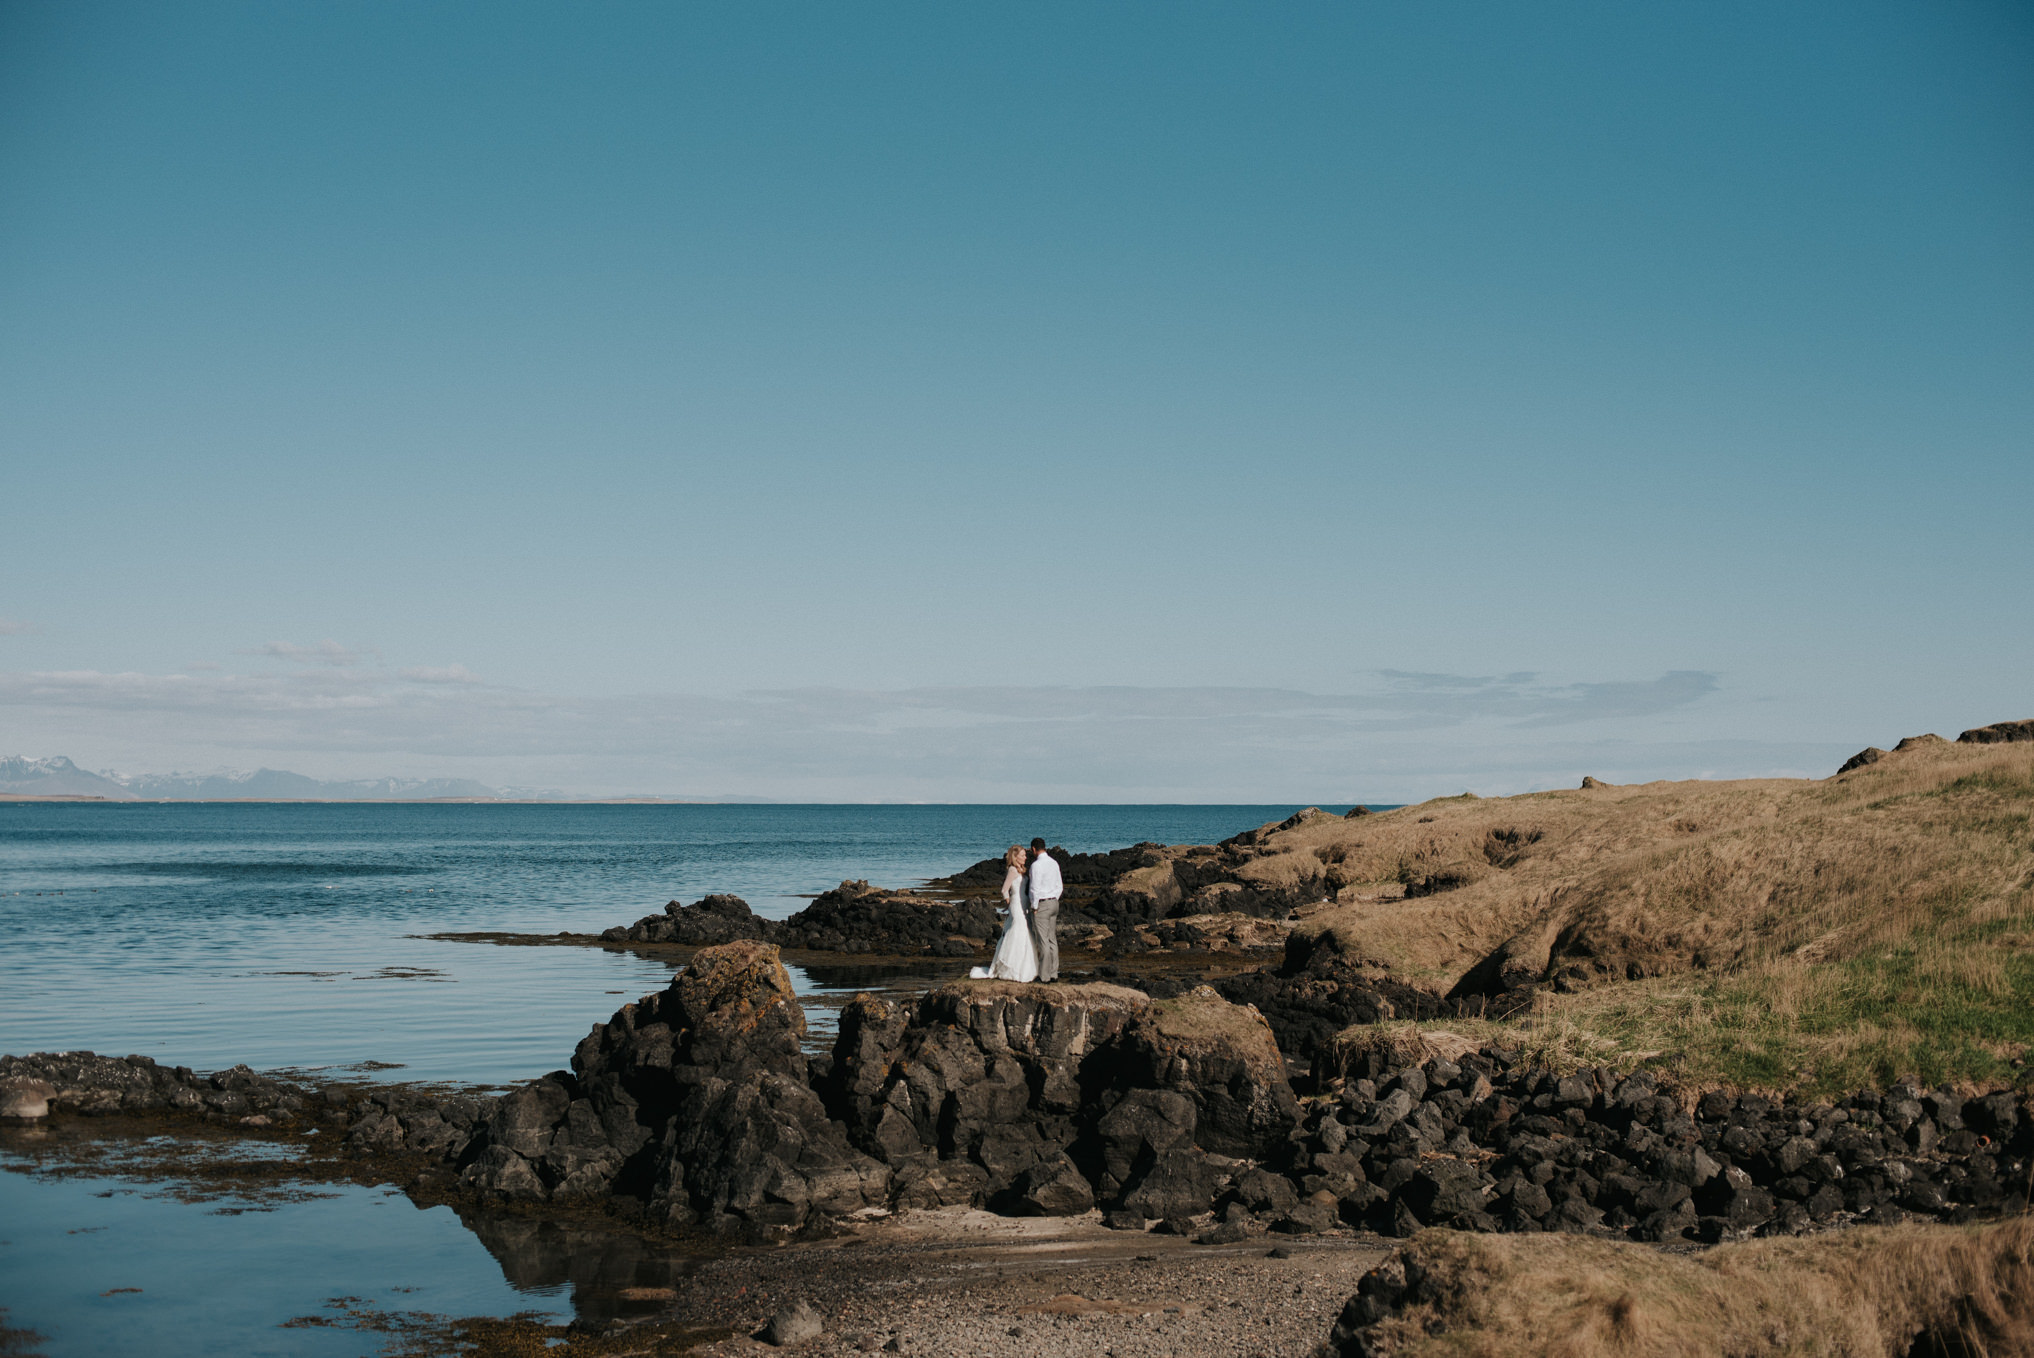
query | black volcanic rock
(1320,989)
(694,1100)
(1998,733)
(854,917)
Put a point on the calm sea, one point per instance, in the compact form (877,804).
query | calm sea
(286,936)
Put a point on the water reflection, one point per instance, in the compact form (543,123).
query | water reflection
(613,1273)
(825,988)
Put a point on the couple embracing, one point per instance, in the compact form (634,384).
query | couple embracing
(1029,948)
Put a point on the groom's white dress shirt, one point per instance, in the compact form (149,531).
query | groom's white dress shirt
(1045,882)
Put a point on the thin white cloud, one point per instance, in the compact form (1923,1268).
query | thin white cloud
(326,652)
(439,674)
(1401,735)
(14,627)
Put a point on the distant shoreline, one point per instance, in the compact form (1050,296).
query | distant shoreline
(361,801)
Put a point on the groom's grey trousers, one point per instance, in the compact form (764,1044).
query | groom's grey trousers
(1045,936)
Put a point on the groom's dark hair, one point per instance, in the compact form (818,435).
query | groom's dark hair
(1038,846)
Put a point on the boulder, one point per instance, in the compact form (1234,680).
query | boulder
(794,1325)
(696,1100)
(1054,1188)
(25,1098)
(1221,1056)
(1322,987)
(995,1074)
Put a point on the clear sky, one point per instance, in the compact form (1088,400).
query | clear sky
(1014,402)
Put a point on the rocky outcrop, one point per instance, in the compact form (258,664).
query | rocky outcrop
(854,917)
(1870,754)
(1487,1143)
(1998,733)
(1054,1098)
(1504,982)
(698,1103)
(695,1101)
(1321,988)
(93,1085)
(1127,890)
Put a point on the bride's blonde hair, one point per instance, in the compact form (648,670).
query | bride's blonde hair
(1015,857)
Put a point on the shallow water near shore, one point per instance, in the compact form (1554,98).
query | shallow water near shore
(286,936)
(117,1266)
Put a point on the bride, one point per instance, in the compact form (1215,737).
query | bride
(1015,959)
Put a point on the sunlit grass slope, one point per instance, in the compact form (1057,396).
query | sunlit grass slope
(1768,933)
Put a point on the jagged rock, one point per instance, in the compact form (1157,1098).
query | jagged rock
(1143,1125)
(1174,1183)
(1224,1058)
(990,1073)
(853,917)
(93,1085)
(1054,1188)
(696,1099)
(711,920)
(1870,754)
(1322,988)
(1998,733)
(1443,1190)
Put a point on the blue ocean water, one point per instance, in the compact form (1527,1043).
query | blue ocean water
(284,935)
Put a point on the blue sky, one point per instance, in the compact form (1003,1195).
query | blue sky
(1113,402)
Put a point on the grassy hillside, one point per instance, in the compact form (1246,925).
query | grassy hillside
(1766,933)
(1865,1293)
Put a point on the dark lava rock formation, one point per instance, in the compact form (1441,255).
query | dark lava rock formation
(1998,733)
(698,1104)
(854,917)
(695,1107)
(1321,988)
(1486,1143)
(93,1085)
(696,1101)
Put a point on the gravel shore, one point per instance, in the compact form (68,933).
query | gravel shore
(960,1281)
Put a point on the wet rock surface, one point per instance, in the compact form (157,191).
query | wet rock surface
(88,1084)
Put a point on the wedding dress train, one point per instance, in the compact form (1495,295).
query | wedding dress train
(1016,958)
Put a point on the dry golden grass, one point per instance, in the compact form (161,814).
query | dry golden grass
(1769,932)
(1863,1293)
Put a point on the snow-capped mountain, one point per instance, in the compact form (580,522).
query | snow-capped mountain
(56,777)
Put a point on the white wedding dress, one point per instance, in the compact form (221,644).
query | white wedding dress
(1016,958)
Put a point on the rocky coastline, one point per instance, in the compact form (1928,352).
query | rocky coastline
(695,1109)
(1160,1093)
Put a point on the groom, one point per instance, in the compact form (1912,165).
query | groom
(1044,887)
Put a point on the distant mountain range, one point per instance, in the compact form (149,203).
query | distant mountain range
(59,777)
